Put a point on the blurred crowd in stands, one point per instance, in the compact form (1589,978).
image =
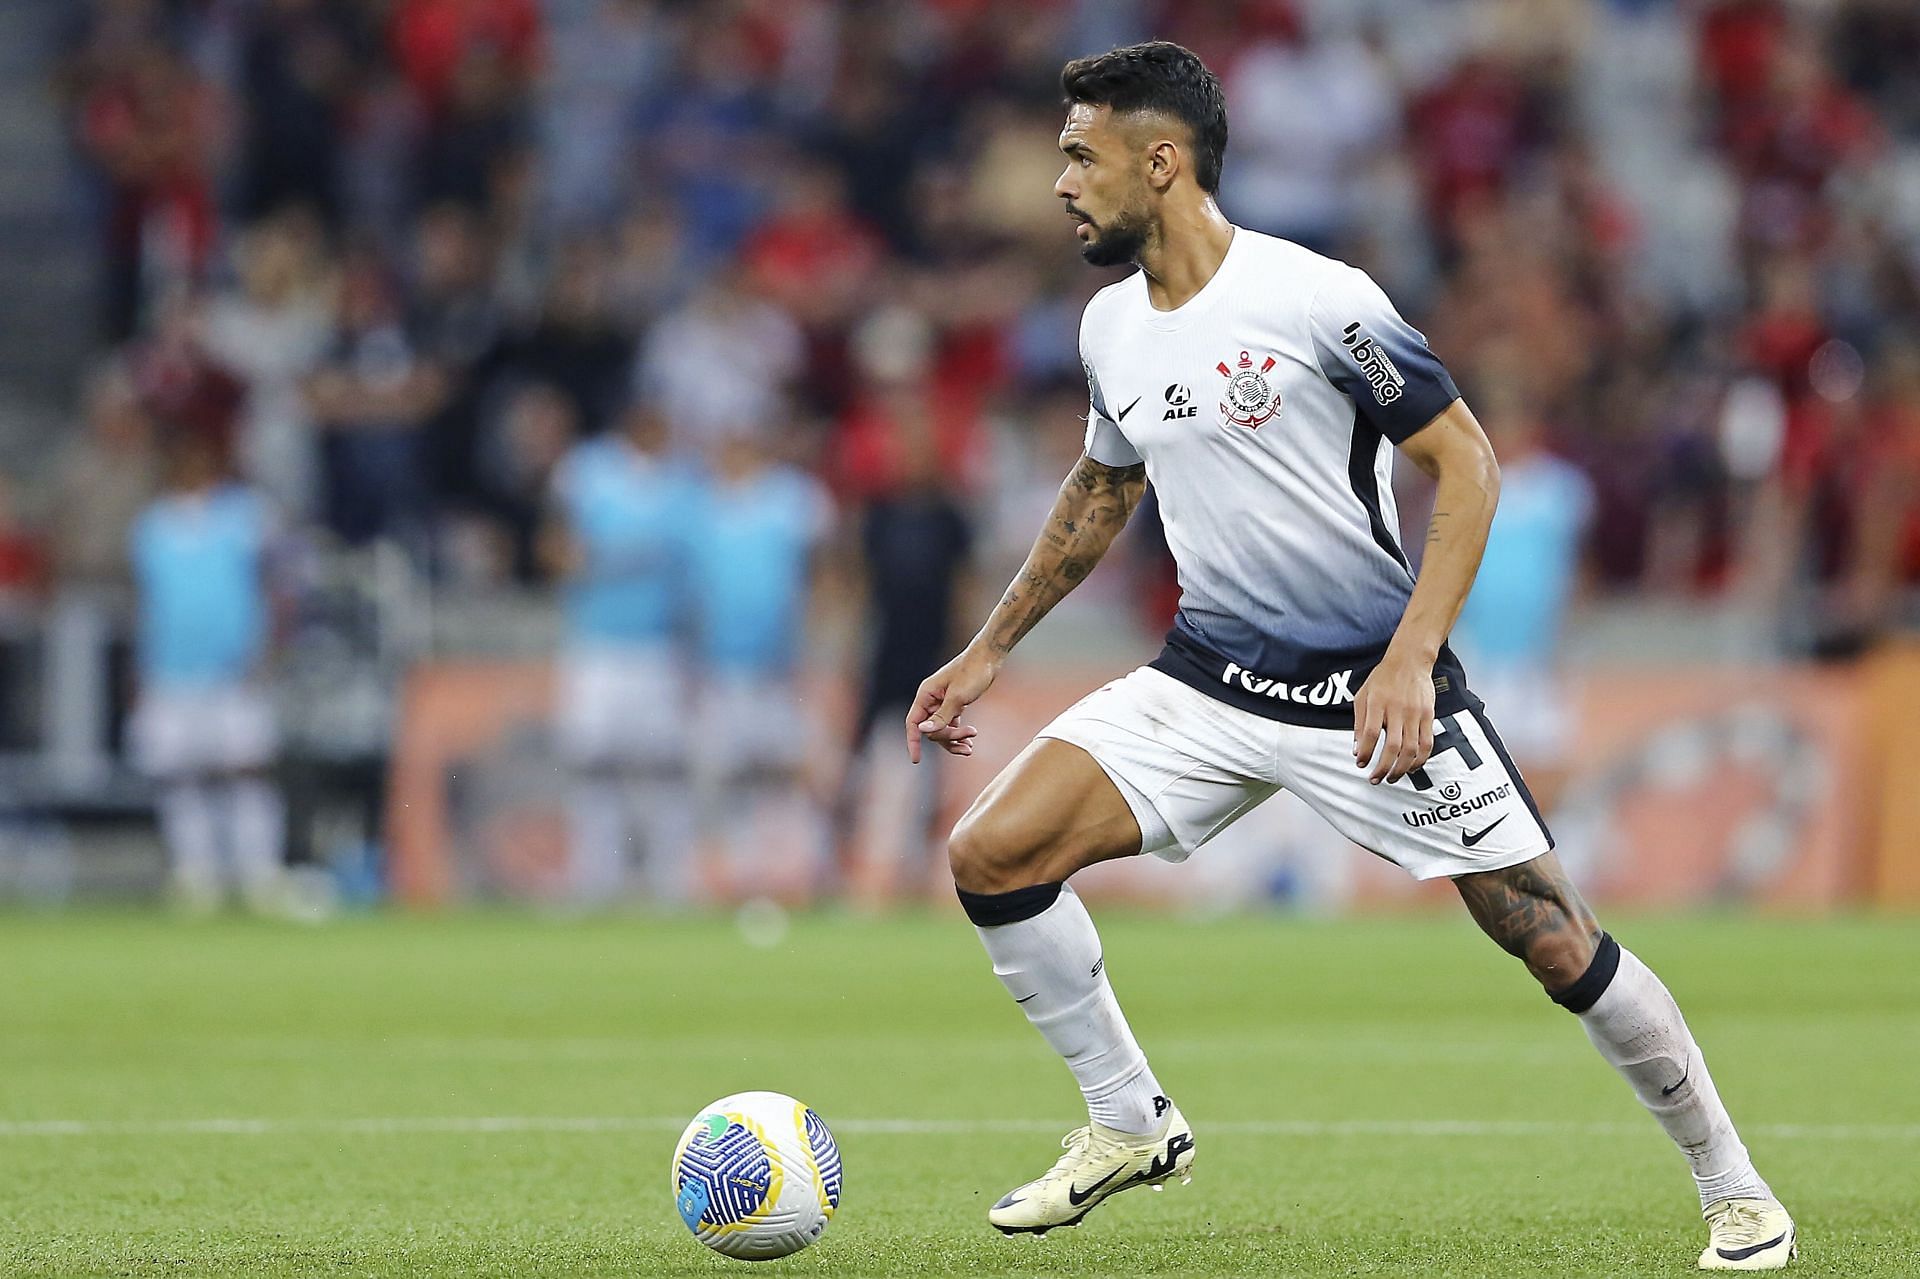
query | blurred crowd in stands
(393,263)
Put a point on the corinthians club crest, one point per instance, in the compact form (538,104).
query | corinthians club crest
(1250,400)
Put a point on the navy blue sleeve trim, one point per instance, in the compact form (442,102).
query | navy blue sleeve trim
(1380,362)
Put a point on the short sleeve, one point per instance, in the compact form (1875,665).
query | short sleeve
(1378,360)
(1105,443)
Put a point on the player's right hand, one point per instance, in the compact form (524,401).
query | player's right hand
(943,695)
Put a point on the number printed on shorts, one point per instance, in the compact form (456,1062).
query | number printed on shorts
(1449,738)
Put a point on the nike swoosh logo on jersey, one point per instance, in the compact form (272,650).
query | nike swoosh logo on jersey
(1034,995)
(1129,408)
(1077,1196)
(1471,839)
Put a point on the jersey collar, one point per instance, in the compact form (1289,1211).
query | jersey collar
(1197,305)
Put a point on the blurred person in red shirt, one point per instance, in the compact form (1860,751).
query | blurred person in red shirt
(1882,497)
(433,39)
(1738,42)
(897,410)
(1467,133)
(1779,340)
(149,126)
(817,261)
(1791,140)
(812,255)
(188,391)
(1507,285)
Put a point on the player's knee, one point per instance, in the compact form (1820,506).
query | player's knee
(987,855)
(1559,959)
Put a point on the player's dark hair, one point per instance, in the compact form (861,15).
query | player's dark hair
(1161,77)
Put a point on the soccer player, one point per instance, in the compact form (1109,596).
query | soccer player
(619,538)
(204,727)
(756,538)
(1260,385)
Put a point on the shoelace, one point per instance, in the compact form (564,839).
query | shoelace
(1074,1143)
(1742,1225)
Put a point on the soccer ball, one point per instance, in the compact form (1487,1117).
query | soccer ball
(756,1176)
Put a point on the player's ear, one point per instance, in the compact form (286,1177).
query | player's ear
(1163,163)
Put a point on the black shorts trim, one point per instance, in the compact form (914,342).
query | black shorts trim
(1506,761)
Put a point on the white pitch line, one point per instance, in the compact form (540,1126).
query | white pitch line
(482,1124)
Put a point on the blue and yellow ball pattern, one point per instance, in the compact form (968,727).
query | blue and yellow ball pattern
(757,1175)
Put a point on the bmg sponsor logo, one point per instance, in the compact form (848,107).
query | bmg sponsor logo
(1374,363)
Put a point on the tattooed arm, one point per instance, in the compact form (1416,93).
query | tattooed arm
(1093,506)
(1394,708)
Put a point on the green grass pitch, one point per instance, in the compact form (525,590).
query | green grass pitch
(496,1094)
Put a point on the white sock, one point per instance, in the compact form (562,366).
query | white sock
(256,825)
(193,842)
(597,839)
(1639,1030)
(1053,967)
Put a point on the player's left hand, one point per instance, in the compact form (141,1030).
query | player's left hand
(1393,718)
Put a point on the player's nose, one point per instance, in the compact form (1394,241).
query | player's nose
(1063,185)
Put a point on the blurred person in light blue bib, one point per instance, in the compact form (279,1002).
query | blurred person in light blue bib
(618,537)
(204,727)
(756,541)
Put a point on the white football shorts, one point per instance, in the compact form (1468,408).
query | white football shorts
(747,723)
(1190,765)
(621,707)
(192,730)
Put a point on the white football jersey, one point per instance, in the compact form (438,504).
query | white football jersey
(1264,409)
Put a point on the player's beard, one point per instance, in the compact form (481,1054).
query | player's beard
(1117,243)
